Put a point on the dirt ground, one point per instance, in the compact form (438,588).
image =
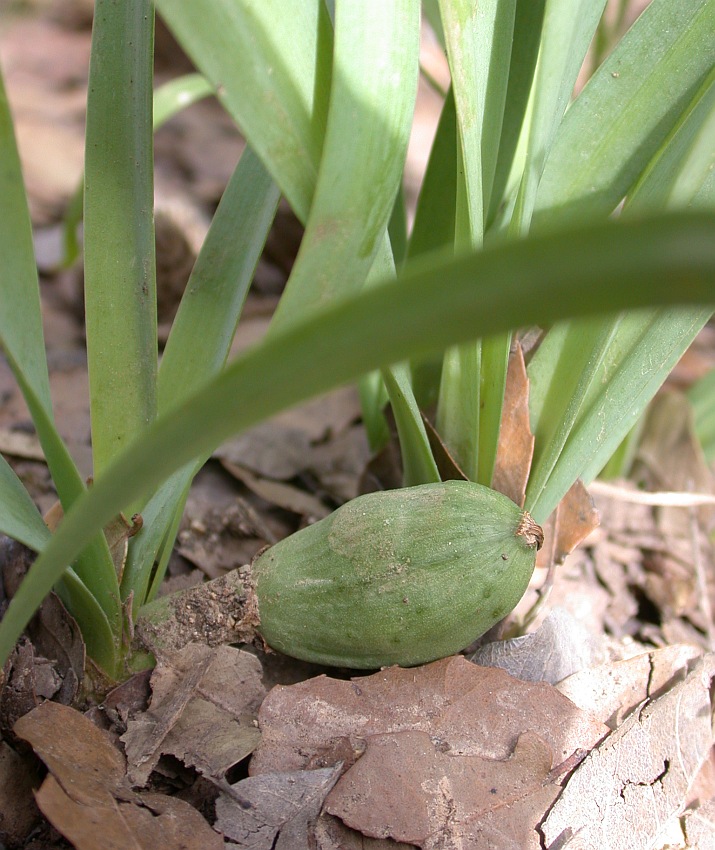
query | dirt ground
(592,727)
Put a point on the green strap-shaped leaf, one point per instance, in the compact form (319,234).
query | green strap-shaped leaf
(22,340)
(626,110)
(479,39)
(433,227)
(256,47)
(584,271)
(685,162)
(119,276)
(363,154)
(201,337)
(169,99)
(528,22)
(271,68)
(19,518)
(568,28)
(561,373)
(642,355)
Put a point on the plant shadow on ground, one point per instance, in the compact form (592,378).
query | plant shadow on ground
(398,756)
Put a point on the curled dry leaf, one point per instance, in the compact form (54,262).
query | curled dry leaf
(572,521)
(88,798)
(275,811)
(203,712)
(515,450)
(627,788)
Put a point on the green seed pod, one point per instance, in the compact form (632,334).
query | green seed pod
(396,577)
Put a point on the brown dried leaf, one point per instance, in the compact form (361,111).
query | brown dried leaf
(275,811)
(78,754)
(611,691)
(449,469)
(18,812)
(273,450)
(29,679)
(557,649)
(633,782)
(516,442)
(203,711)
(452,710)
(411,788)
(87,796)
(572,521)
(279,493)
(331,834)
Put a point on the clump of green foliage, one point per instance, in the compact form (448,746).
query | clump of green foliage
(514,226)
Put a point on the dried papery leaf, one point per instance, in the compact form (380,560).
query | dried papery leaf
(29,679)
(20,444)
(611,691)
(447,466)
(631,784)
(203,711)
(412,788)
(18,812)
(557,649)
(78,754)
(480,711)
(572,521)
(87,796)
(331,834)
(699,826)
(273,450)
(279,493)
(515,449)
(146,822)
(275,811)
(670,458)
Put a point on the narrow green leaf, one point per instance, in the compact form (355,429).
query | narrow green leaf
(397,228)
(21,332)
(479,40)
(119,278)
(177,94)
(97,632)
(561,372)
(201,336)
(169,99)
(528,21)
(568,27)
(255,46)
(363,154)
(684,162)
(19,518)
(639,359)
(626,110)
(433,227)
(610,267)
(22,340)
